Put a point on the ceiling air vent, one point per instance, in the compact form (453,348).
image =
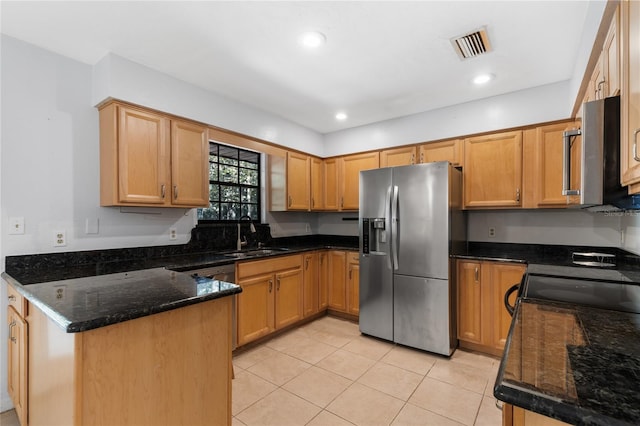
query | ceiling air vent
(472,44)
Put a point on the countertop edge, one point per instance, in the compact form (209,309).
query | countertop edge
(543,404)
(98,322)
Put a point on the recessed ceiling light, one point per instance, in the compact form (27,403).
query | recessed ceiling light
(341,116)
(312,39)
(483,78)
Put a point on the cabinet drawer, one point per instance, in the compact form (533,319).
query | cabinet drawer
(353,257)
(17,300)
(255,267)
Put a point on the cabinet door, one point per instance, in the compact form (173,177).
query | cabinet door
(404,156)
(331,198)
(630,95)
(611,64)
(189,164)
(503,276)
(288,303)
(17,363)
(337,280)
(143,157)
(323,280)
(546,165)
(351,166)
(353,285)
(493,170)
(597,83)
(255,310)
(450,151)
(311,288)
(469,301)
(298,176)
(317,184)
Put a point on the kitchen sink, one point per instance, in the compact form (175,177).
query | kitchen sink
(256,252)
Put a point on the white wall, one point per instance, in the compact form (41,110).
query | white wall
(120,78)
(562,227)
(536,105)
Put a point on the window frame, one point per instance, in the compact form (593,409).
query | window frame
(214,150)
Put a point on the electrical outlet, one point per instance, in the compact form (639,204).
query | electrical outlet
(59,238)
(492,232)
(60,291)
(173,234)
(16,225)
(308,228)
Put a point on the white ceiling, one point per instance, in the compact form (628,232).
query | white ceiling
(382,59)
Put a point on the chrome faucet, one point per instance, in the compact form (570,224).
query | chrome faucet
(241,242)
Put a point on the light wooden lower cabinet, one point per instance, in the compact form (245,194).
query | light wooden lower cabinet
(271,298)
(133,372)
(516,416)
(311,277)
(483,321)
(17,363)
(344,282)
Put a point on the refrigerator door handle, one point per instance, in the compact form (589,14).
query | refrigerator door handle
(388,226)
(394,228)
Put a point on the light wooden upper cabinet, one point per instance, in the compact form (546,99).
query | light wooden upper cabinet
(493,170)
(146,159)
(298,181)
(630,94)
(451,151)
(317,184)
(331,196)
(610,56)
(404,156)
(543,166)
(289,181)
(349,170)
(189,164)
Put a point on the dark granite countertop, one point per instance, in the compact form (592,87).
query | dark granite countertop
(103,288)
(82,304)
(577,364)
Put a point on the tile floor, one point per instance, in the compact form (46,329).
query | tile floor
(326,373)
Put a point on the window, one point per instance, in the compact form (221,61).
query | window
(234,184)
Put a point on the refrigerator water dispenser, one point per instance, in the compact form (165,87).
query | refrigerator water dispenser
(373,233)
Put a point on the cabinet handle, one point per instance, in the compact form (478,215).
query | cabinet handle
(270,285)
(321,259)
(278,288)
(413,159)
(162,190)
(422,157)
(600,89)
(518,194)
(306,263)
(476,274)
(635,144)
(11,325)
(175,192)
(313,202)
(350,270)
(289,200)
(341,202)
(11,298)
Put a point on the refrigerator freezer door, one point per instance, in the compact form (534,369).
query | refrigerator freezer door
(376,276)
(421,314)
(423,220)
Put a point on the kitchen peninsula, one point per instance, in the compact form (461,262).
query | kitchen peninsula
(150,346)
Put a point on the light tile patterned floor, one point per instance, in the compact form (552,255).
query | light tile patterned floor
(326,373)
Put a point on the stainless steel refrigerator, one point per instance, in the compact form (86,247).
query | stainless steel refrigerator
(411,222)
